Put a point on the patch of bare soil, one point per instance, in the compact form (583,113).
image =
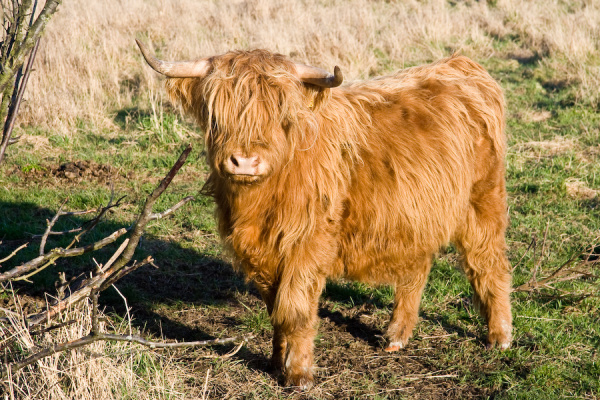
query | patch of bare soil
(80,170)
(70,172)
(349,361)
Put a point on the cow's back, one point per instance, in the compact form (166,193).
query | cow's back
(439,132)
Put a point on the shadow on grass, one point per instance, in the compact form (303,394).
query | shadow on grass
(184,280)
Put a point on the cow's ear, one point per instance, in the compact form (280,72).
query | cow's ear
(187,93)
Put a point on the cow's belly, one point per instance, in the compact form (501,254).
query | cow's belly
(378,242)
(378,258)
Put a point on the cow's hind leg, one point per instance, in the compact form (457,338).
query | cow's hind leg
(482,244)
(409,289)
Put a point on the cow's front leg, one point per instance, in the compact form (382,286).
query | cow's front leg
(295,326)
(268,293)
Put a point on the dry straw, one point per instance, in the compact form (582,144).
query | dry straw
(89,67)
(579,190)
(102,370)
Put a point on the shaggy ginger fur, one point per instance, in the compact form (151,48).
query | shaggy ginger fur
(365,181)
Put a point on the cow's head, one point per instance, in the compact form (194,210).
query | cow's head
(255,107)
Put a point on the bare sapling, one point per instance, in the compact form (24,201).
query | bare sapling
(21,38)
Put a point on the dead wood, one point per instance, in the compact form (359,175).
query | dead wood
(117,266)
(97,336)
(579,265)
(49,258)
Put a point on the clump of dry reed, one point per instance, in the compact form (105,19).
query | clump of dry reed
(89,67)
(101,370)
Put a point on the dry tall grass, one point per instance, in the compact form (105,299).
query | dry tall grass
(101,370)
(89,67)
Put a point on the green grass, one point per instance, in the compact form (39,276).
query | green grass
(193,294)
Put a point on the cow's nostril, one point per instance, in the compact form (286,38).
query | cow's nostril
(239,163)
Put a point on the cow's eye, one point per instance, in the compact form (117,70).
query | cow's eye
(259,143)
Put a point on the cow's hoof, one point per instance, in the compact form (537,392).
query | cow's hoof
(394,346)
(299,381)
(500,340)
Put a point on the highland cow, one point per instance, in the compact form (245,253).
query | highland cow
(313,180)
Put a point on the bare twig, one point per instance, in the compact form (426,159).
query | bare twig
(58,253)
(62,214)
(96,220)
(11,255)
(430,375)
(98,282)
(171,210)
(61,284)
(175,345)
(565,272)
(50,224)
(228,355)
(126,307)
(109,281)
(440,336)
(205,387)
(52,327)
(117,253)
(538,264)
(532,245)
(95,326)
(54,233)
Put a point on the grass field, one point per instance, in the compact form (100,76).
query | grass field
(95,109)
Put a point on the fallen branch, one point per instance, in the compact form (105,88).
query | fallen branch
(565,272)
(119,268)
(84,292)
(145,215)
(55,254)
(116,267)
(92,337)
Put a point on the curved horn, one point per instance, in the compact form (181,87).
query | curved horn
(319,77)
(175,69)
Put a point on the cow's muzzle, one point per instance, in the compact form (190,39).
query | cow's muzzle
(244,167)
